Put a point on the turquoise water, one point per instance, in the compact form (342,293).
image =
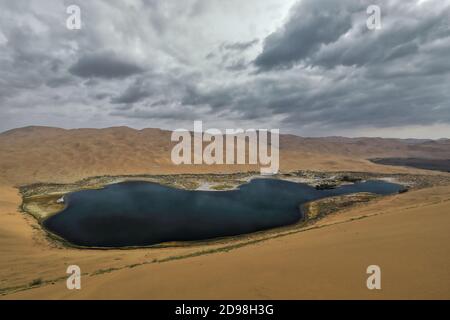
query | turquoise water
(143,213)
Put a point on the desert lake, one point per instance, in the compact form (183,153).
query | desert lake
(421,163)
(142,213)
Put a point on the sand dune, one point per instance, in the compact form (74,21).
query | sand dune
(407,236)
(44,154)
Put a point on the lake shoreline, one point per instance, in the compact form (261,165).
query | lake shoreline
(421,185)
(48,194)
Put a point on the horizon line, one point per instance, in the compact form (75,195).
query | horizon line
(168,130)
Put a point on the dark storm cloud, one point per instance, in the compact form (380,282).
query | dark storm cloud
(134,93)
(341,101)
(230,55)
(401,40)
(155,95)
(104,65)
(395,76)
(26,64)
(330,33)
(312,23)
(372,103)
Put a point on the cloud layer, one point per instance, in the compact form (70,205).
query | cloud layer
(309,67)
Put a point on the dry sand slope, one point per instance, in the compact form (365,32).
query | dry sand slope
(408,237)
(45,154)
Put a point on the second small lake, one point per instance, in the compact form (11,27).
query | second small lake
(142,213)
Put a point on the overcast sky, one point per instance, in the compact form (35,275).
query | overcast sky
(309,67)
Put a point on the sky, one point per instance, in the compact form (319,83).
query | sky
(307,67)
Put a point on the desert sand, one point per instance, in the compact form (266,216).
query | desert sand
(407,235)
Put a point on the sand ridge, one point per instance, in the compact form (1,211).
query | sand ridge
(45,154)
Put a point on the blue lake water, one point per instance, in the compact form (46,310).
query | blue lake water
(143,213)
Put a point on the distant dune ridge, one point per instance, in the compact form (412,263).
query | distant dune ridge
(47,154)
